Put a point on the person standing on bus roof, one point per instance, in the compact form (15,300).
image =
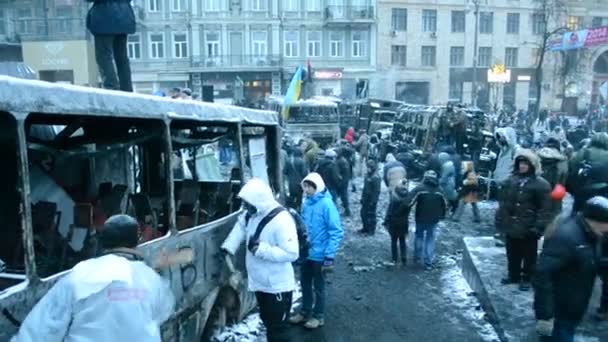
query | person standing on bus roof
(272,246)
(115,297)
(110,21)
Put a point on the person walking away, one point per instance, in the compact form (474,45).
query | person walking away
(394,172)
(328,169)
(325,235)
(447,180)
(431,207)
(114,297)
(295,171)
(369,198)
(346,174)
(469,194)
(555,169)
(362,147)
(350,135)
(588,171)
(524,211)
(110,22)
(272,245)
(311,154)
(566,271)
(396,221)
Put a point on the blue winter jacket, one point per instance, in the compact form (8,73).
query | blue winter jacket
(323,222)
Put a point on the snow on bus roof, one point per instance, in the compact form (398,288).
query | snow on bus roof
(313,102)
(29,96)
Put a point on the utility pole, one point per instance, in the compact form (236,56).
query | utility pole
(475,54)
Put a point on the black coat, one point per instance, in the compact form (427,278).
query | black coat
(111,17)
(431,203)
(328,169)
(396,220)
(371,191)
(345,170)
(565,272)
(295,171)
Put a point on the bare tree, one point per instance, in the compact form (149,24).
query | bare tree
(548,24)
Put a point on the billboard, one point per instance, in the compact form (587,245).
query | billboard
(581,39)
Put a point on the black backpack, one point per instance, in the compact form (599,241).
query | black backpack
(590,176)
(550,170)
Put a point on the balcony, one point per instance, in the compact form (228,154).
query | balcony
(241,62)
(35,29)
(349,14)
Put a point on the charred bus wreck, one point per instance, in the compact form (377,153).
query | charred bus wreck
(74,156)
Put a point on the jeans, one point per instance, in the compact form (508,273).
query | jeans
(110,49)
(424,246)
(521,257)
(460,210)
(343,194)
(563,331)
(313,281)
(274,311)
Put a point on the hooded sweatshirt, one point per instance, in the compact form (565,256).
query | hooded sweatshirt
(507,153)
(322,221)
(270,269)
(447,177)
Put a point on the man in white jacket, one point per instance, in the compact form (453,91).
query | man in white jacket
(115,297)
(269,254)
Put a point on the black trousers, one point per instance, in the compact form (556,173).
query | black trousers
(112,60)
(521,257)
(343,194)
(398,239)
(274,312)
(368,217)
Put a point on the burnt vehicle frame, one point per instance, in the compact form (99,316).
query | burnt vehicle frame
(204,298)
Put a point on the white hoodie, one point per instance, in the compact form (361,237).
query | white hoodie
(270,269)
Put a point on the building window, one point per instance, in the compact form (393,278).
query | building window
(259,43)
(574,23)
(486,22)
(154,5)
(511,56)
(178,5)
(458,21)
(212,40)
(2,23)
(535,54)
(212,5)
(428,56)
(599,21)
(429,21)
(180,45)
(157,45)
(259,5)
(399,19)
(399,55)
(64,16)
(513,23)
(336,44)
(291,5)
(24,23)
(313,5)
(358,40)
(313,40)
(134,46)
(455,92)
(291,43)
(538,23)
(457,56)
(485,56)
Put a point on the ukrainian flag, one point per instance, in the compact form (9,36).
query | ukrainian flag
(293,92)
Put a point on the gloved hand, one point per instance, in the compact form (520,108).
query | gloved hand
(545,327)
(328,265)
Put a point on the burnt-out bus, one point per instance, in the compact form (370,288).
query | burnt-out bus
(73,156)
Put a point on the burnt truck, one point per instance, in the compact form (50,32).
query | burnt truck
(315,118)
(73,156)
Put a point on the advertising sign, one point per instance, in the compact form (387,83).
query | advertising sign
(581,39)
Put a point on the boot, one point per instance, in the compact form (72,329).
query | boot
(297,319)
(314,323)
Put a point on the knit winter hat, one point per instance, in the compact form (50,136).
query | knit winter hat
(596,209)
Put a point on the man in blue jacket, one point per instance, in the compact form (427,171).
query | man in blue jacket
(324,234)
(110,21)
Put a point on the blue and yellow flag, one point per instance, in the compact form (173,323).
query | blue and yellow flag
(293,92)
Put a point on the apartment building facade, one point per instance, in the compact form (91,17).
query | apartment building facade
(249,49)
(428,51)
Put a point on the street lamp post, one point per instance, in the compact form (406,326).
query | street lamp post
(475,54)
